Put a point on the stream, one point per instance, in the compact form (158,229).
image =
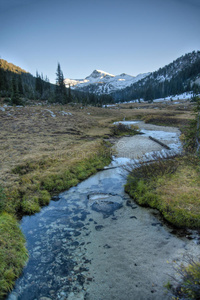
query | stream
(93,243)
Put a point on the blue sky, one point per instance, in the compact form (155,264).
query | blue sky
(119,36)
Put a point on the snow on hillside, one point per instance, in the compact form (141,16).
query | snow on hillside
(102,82)
(184,96)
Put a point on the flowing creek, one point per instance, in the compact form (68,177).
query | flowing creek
(93,243)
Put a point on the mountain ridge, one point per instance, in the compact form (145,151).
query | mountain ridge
(101,82)
(179,76)
(182,75)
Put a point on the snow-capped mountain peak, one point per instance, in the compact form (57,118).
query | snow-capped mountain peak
(99,74)
(100,82)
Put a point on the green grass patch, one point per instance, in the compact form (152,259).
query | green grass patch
(13,253)
(171,186)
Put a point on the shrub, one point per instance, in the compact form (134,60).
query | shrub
(121,129)
(188,281)
(148,168)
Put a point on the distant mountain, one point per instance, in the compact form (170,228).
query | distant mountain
(182,75)
(100,82)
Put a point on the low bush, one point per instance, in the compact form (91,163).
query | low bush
(121,129)
(186,285)
(151,167)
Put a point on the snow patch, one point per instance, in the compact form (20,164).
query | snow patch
(66,113)
(184,96)
(51,113)
(127,123)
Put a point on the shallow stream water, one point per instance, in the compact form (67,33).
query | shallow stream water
(93,243)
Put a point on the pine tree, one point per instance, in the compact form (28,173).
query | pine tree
(15,99)
(60,92)
(4,86)
(38,85)
(20,86)
(69,94)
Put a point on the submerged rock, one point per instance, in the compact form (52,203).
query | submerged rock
(107,208)
(105,203)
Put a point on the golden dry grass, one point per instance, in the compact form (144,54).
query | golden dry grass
(182,191)
(31,133)
(176,194)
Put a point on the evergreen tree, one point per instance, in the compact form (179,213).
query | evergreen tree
(15,99)
(38,85)
(60,91)
(20,86)
(69,94)
(4,86)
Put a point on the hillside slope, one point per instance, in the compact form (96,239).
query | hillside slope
(180,76)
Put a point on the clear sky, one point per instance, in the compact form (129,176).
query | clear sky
(116,36)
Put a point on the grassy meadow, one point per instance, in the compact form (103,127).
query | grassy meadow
(46,149)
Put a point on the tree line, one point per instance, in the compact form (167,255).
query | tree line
(17,86)
(175,78)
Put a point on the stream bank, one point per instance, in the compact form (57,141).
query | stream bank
(93,244)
